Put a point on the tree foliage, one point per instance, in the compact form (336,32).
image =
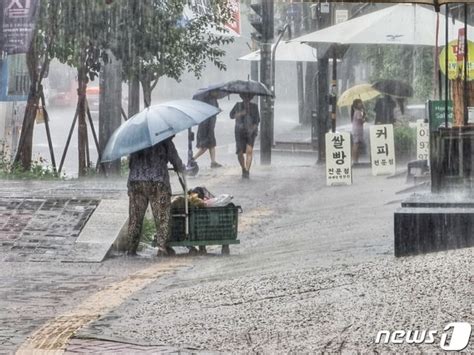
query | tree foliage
(151,37)
(154,39)
(413,65)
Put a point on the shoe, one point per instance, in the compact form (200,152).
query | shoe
(216,165)
(131,253)
(165,252)
(245,174)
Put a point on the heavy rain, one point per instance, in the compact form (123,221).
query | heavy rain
(226,176)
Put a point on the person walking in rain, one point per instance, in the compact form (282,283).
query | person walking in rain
(206,139)
(247,118)
(384,110)
(149,182)
(358,119)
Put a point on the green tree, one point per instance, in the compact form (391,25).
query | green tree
(38,58)
(153,40)
(413,65)
(85,29)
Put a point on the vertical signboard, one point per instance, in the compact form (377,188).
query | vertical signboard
(19,20)
(382,149)
(338,159)
(422,140)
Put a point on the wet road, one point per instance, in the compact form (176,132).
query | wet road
(315,272)
(61,121)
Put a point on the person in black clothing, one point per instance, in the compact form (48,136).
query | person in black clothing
(384,110)
(247,118)
(206,139)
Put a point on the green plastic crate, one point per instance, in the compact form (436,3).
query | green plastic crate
(207,223)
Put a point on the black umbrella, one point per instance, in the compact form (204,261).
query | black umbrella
(393,88)
(246,87)
(203,93)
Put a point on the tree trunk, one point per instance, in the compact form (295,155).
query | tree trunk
(25,144)
(133,96)
(146,85)
(82,126)
(110,107)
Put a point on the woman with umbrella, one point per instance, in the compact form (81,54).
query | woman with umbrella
(149,182)
(147,138)
(247,118)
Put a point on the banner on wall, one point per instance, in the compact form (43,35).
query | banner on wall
(18,24)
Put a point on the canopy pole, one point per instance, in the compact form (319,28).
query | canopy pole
(466,51)
(446,79)
(436,71)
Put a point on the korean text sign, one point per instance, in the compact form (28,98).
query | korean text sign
(19,20)
(422,140)
(382,149)
(338,159)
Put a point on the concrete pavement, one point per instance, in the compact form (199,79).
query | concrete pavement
(315,272)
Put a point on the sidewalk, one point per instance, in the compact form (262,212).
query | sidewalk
(314,272)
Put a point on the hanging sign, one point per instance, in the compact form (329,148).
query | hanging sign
(338,159)
(456,53)
(422,140)
(382,149)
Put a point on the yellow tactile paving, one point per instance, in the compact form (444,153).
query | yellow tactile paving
(52,337)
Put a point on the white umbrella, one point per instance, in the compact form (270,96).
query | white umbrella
(403,24)
(288,52)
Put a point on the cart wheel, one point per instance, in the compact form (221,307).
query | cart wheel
(225,249)
(193,251)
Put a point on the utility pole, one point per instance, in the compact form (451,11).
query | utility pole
(263,23)
(322,12)
(266,109)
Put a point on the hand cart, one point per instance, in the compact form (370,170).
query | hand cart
(203,226)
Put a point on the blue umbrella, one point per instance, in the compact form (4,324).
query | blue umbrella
(155,124)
